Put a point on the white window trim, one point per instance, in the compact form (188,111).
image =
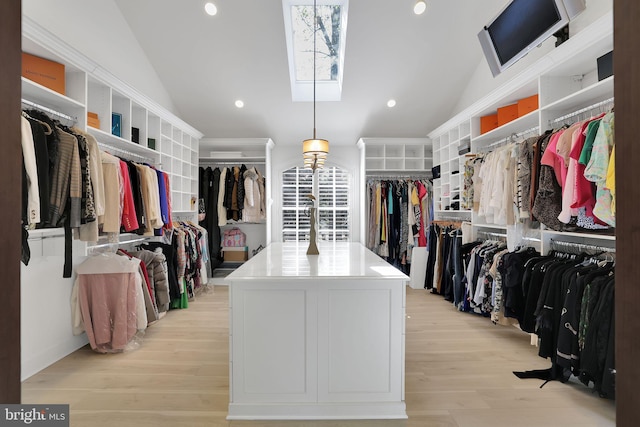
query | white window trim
(315,189)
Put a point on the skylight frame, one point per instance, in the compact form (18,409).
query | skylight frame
(302,91)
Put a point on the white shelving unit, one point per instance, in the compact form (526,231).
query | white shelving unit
(164,140)
(448,187)
(566,82)
(397,154)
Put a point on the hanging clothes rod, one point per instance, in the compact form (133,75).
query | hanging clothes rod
(183,218)
(47,236)
(462,217)
(398,177)
(227,163)
(583,110)
(49,110)
(120,243)
(448,223)
(580,246)
(514,137)
(491,234)
(450,219)
(125,152)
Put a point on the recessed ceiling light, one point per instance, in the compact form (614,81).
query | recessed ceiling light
(239,103)
(420,7)
(211,9)
(391,103)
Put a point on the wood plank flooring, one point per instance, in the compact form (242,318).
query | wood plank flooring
(458,373)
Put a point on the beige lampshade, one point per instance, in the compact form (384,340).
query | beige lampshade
(314,153)
(315,146)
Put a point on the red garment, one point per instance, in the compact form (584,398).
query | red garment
(551,158)
(422,193)
(169,224)
(581,186)
(129,218)
(145,275)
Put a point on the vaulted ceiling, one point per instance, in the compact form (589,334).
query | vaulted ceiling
(208,62)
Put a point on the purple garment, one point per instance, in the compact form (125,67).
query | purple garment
(164,205)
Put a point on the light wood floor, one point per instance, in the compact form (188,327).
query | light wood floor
(458,373)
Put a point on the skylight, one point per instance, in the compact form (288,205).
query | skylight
(330,42)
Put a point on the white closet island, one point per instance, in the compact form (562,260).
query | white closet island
(316,337)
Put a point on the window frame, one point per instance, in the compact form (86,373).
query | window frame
(302,90)
(301,233)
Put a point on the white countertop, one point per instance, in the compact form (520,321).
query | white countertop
(336,260)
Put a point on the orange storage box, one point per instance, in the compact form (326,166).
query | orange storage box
(488,123)
(527,105)
(507,114)
(47,73)
(93,120)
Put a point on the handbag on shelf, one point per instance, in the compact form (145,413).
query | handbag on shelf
(233,238)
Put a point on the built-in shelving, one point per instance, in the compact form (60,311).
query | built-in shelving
(568,89)
(448,188)
(397,155)
(251,152)
(163,140)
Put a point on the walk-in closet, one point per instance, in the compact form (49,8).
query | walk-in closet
(331,213)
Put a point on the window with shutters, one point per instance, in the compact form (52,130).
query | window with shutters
(333,204)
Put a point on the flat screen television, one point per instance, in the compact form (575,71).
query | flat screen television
(521,26)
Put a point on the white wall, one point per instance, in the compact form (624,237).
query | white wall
(482,82)
(45,308)
(288,156)
(97,29)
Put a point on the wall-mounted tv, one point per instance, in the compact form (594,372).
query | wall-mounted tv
(523,25)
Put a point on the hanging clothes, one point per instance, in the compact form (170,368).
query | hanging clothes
(545,179)
(222,210)
(112,183)
(89,230)
(232,194)
(212,182)
(70,183)
(398,215)
(129,219)
(157,271)
(31,184)
(171,259)
(108,301)
(252,211)
(573,318)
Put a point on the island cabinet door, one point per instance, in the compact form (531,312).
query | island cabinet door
(273,342)
(360,341)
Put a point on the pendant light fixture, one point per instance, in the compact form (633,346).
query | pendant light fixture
(314,150)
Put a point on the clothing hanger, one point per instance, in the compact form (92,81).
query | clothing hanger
(45,125)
